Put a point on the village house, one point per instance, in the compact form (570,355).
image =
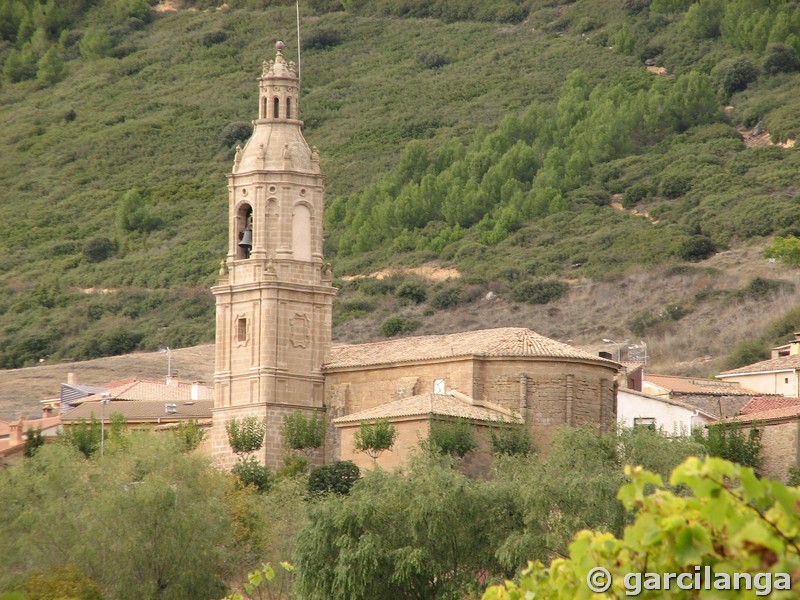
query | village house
(780,374)
(13,434)
(672,416)
(718,398)
(274,301)
(779,420)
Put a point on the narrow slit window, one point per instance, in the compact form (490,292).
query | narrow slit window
(276,105)
(288,108)
(263,108)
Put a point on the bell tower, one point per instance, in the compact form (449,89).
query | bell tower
(274,294)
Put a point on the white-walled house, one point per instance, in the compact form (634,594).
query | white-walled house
(672,416)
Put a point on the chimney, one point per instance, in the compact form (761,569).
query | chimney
(199,391)
(72,379)
(47,411)
(15,437)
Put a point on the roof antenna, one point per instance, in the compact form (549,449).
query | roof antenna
(297,5)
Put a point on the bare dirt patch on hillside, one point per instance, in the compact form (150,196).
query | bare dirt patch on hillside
(429,272)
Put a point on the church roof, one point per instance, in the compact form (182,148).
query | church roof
(427,405)
(504,341)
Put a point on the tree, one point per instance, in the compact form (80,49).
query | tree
(375,438)
(422,535)
(95,43)
(33,441)
(189,435)
(245,435)
(456,438)
(132,214)
(84,436)
(513,439)
(50,67)
(729,441)
(729,521)
(302,433)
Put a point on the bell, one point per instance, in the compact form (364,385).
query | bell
(247,239)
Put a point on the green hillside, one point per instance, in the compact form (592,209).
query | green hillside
(490,136)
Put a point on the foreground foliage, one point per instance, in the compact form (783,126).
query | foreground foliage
(731,521)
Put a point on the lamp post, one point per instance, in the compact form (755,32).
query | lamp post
(618,345)
(168,352)
(106,399)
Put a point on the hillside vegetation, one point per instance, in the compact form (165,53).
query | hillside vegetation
(512,140)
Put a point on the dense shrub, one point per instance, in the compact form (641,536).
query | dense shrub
(320,39)
(747,352)
(636,193)
(513,440)
(729,441)
(780,58)
(98,249)
(412,291)
(695,248)
(396,325)
(448,297)
(432,60)
(234,133)
(674,185)
(251,472)
(539,292)
(337,478)
(734,74)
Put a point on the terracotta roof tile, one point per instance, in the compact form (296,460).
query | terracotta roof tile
(428,404)
(782,363)
(146,389)
(505,341)
(697,385)
(785,412)
(143,410)
(763,403)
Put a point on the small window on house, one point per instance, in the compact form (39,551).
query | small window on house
(785,380)
(276,105)
(648,422)
(438,386)
(241,329)
(288,108)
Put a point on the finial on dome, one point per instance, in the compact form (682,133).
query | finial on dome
(279,45)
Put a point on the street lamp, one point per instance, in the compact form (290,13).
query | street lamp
(106,399)
(169,362)
(618,345)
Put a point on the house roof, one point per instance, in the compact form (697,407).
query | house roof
(143,410)
(147,389)
(782,363)
(670,401)
(697,385)
(504,341)
(450,404)
(775,414)
(764,403)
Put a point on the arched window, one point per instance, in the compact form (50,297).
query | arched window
(301,233)
(276,108)
(288,108)
(263,109)
(244,231)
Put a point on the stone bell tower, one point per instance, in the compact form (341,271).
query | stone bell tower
(274,293)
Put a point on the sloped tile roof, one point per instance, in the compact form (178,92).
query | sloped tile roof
(428,404)
(776,414)
(504,341)
(143,410)
(147,389)
(782,363)
(763,403)
(697,385)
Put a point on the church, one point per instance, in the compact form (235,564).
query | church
(274,300)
